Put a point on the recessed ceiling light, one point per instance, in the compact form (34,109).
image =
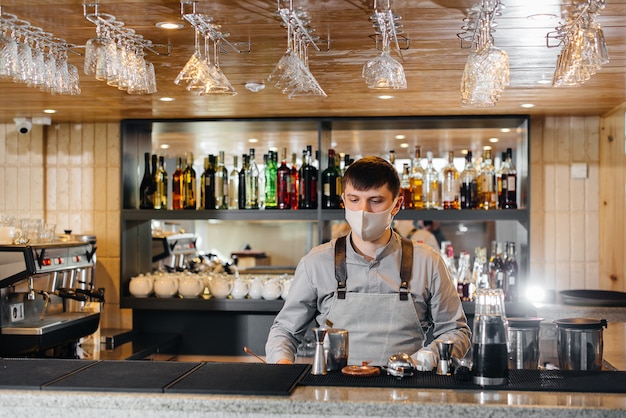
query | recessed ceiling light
(493,140)
(400,136)
(164,146)
(542,17)
(486,147)
(464,152)
(49,111)
(253,140)
(404,145)
(505,130)
(167,99)
(169,25)
(385,97)
(527,105)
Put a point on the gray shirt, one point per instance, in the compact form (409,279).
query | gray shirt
(436,300)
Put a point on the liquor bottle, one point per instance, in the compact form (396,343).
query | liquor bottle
(203,183)
(233,186)
(241,191)
(252,182)
(469,185)
(283,182)
(261,189)
(392,157)
(501,182)
(331,183)
(487,183)
(294,194)
(189,184)
(450,189)
(271,172)
(346,163)
(417,179)
(405,187)
(431,184)
(496,273)
(221,183)
(177,186)
(160,180)
(146,188)
(209,184)
(510,274)
(464,277)
(308,182)
(510,199)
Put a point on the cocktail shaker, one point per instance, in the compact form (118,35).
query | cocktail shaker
(444,365)
(336,347)
(489,338)
(319,359)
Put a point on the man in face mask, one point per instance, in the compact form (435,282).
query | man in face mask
(386,291)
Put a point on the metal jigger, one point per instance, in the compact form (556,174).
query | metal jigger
(444,366)
(319,358)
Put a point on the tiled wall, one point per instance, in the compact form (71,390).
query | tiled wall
(70,174)
(564,210)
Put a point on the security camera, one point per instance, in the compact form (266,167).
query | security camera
(23,125)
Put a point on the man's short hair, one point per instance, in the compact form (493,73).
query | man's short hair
(371,173)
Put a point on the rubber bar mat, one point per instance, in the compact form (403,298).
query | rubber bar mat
(520,380)
(241,379)
(124,376)
(32,373)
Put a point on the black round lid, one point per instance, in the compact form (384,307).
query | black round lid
(524,322)
(581,323)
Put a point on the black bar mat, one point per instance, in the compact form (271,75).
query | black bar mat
(520,380)
(242,379)
(32,373)
(124,376)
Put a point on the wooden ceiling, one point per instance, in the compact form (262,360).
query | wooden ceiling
(433,61)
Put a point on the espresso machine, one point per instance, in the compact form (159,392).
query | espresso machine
(172,252)
(43,290)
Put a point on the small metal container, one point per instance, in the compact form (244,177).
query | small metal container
(580,343)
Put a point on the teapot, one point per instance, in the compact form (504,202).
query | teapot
(141,286)
(256,288)
(220,286)
(286,286)
(166,286)
(241,286)
(190,285)
(272,289)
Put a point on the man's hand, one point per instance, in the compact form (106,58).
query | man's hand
(284,361)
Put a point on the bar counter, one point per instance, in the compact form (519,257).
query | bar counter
(316,401)
(329,401)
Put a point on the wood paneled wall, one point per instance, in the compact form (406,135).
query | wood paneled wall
(564,210)
(613,200)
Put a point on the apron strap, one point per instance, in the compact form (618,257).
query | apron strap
(340,267)
(406,267)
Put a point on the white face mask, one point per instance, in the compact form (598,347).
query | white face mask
(369,226)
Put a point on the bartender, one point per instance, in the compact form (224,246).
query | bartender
(388,292)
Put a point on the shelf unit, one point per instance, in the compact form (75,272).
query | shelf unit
(247,321)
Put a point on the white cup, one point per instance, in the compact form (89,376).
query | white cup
(425,360)
(8,234)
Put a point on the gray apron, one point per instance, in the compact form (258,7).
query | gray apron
(378,325)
